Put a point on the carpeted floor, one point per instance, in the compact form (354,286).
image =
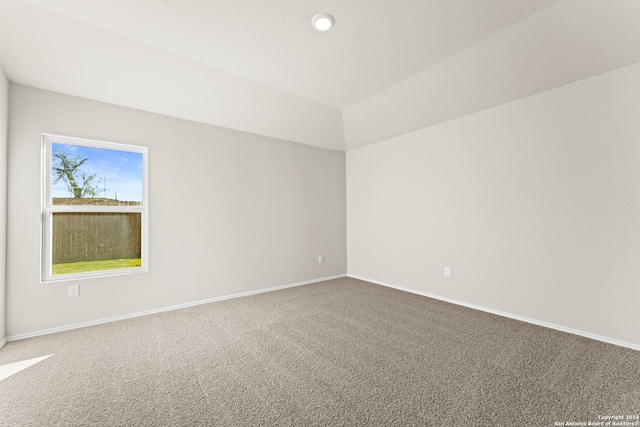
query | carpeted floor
(342,352)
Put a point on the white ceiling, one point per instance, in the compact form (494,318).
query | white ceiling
(254,65)
(374,44)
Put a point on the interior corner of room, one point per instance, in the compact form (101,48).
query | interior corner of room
(513,163)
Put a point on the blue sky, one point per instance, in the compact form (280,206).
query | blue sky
(121,170)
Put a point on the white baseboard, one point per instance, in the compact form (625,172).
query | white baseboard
(3,342)
(509,315)
(163,309)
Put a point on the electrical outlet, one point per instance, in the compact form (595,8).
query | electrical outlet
(74,291)
(447,272)
(320,259)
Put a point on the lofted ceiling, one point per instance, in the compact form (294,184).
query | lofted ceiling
(258,65)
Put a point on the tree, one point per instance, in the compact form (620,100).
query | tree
(68,169)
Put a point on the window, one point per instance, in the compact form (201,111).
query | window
(94,216)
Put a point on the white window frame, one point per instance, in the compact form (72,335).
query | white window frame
(48,209)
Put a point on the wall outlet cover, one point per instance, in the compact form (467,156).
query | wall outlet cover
(74,291)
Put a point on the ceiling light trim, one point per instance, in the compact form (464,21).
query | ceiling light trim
(323,21)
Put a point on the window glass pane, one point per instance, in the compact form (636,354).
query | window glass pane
(83,242)
(91,176)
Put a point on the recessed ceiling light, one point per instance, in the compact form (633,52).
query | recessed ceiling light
(322,21)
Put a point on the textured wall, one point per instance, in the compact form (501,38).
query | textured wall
(230,212)
(534,205)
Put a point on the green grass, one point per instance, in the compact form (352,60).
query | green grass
(88,266)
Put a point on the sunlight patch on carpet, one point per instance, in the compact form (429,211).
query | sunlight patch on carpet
(13,368)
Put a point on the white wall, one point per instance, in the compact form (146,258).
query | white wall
(4,113)
(230,212)
(534,204)
(4,101)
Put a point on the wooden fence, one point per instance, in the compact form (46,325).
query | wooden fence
(95,236)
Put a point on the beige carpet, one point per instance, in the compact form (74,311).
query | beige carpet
(342,352)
